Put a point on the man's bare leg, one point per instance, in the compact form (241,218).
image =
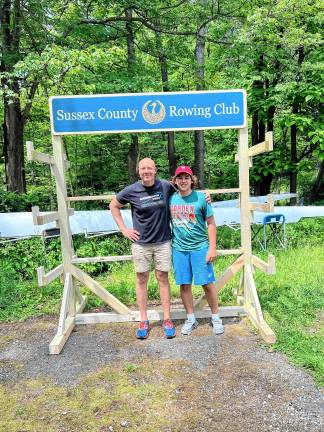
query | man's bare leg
(164,285)
(141,293)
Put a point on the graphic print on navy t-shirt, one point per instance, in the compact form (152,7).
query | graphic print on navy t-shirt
(183,216)
(156,199)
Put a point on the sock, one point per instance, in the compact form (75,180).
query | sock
(216,317)
(191,317)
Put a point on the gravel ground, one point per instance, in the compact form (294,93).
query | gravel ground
(238,384)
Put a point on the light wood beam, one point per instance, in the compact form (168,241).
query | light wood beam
(268,267)
(91,198)
(46,278)
(155,315)
(263,147)
(33,155)
(222,191)
(101,259)
(97,289)
(267,207)
(229,273)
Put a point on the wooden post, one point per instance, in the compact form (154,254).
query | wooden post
(68,308)
(250,295)
(245,195)
(66,237)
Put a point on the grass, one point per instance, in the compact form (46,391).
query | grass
(293,303)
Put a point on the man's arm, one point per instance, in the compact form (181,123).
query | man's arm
(115,207)
(211,227)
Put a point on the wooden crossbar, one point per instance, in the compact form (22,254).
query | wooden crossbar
(113,258)
(222,191)
(46,278)
(269,267)
(91,198)
(97,289)
(101,259)
(34,155)
(263,147)
(42,219)
(267,207)
(155,315)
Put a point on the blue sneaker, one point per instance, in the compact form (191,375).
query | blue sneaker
(169,329)
(143,330)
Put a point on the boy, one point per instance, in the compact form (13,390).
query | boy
(193,251)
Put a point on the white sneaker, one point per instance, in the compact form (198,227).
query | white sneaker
(188,327)
(217,325)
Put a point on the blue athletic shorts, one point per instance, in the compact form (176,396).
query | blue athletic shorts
(192,265)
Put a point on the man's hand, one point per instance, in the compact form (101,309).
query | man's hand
(131,234)
(211,255)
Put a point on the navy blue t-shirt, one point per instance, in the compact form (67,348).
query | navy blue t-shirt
(150,210)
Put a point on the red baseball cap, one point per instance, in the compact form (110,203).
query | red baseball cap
(183,169)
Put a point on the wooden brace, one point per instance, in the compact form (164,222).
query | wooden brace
(267,207)
(46,278)
(263,147)
(229,273)
(268,268)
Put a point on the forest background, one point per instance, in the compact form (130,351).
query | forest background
(273,49)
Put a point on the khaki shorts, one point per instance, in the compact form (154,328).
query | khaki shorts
(144,254)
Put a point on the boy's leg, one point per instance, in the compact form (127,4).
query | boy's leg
(183,277)
(211,297)
(204,275)
(186,297)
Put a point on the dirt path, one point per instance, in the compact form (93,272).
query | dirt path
(105,380)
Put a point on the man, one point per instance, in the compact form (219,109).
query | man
(193,250)
(151,237)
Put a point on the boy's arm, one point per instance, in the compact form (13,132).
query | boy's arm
(211,227)
(115,207)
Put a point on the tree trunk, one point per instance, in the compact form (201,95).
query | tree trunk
(262,186)
(293,157)
(14,147)
(317,191)
(13,116)
(255,129)
(200,85)
(132,155)
(293,134)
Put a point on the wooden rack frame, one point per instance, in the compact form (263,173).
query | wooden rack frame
(73,302)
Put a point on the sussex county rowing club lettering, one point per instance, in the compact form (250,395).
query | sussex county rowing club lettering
(131,114)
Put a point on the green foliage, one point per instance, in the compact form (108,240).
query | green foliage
(21,298)
(293,300)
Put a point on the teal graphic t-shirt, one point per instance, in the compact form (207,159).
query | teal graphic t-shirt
(188,217)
